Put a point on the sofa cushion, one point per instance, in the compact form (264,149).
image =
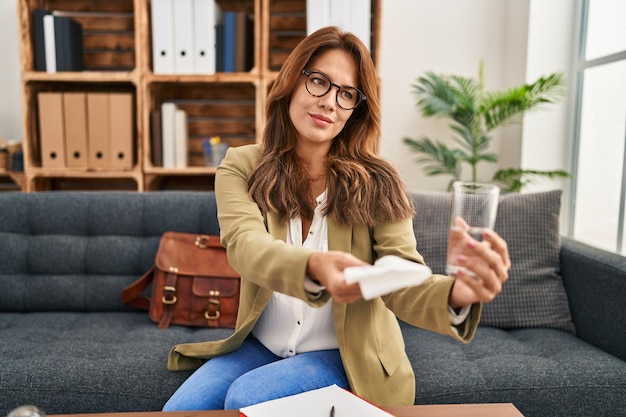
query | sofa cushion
(71,362)
(534,295)
(543,372)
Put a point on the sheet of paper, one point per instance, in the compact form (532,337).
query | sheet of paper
(316,403)
(389,273)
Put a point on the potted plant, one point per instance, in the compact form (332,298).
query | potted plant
(474,113)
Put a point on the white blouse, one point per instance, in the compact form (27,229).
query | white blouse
(288,325)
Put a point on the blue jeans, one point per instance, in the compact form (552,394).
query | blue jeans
(252,374)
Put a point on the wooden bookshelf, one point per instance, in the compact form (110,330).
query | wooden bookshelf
(118,58)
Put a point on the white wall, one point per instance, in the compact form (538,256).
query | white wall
(552,43)
(10,97)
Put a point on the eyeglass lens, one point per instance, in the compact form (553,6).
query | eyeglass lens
(319,84)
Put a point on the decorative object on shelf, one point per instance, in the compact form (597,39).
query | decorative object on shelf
(474,114)
(214,151)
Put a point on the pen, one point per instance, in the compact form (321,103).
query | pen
(332,411)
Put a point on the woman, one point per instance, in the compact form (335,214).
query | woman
(313,199)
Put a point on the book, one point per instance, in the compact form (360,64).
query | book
(68,35)
(168,134)
(228,41)
(39,39)
(180,138)
(316,403)
(49,43)
(155,138)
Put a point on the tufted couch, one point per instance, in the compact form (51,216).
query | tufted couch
(553,343)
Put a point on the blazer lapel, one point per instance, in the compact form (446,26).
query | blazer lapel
(339,237)
(275,228)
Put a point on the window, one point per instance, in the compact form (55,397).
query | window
(598,198)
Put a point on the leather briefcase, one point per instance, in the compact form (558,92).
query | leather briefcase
(192,283)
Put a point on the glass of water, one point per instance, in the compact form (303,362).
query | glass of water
(473,211)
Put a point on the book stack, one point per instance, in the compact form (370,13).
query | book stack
(58,42)
(86,130)
(197,37)
(169,136)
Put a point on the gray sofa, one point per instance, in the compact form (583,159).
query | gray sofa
(553,343)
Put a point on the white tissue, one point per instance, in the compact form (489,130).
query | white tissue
(388,274)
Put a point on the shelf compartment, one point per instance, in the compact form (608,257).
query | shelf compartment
(188,180)
(287,28)
(32,142)
(247,6)
(85,182)
(109,38)
(11,181)
(227,110)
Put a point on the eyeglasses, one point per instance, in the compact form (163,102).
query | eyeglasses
(318,84)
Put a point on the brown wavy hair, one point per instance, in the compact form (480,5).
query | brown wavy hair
(362,187)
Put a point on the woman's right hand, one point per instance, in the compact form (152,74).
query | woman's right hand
(327,269)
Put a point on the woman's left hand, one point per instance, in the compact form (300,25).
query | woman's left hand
(489,264)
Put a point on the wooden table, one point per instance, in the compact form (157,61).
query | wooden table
(443,410)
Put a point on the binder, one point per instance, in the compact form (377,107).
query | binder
(75,120)
(361,20)
(168,134)
(228,39)
(350,15)
(39,39)
(121,130)
(183,37)
(317,15)
(162,37)
(98,130)
(68,39)
(219,44)
(155,138)
(205,13)
(51,130)
(180,138)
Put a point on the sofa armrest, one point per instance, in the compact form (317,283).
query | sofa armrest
(595,281)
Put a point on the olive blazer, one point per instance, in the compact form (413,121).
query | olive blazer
(369,337)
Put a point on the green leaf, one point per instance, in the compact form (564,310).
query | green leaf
(500,107)
(435,95)
(437,158)
(514,179)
